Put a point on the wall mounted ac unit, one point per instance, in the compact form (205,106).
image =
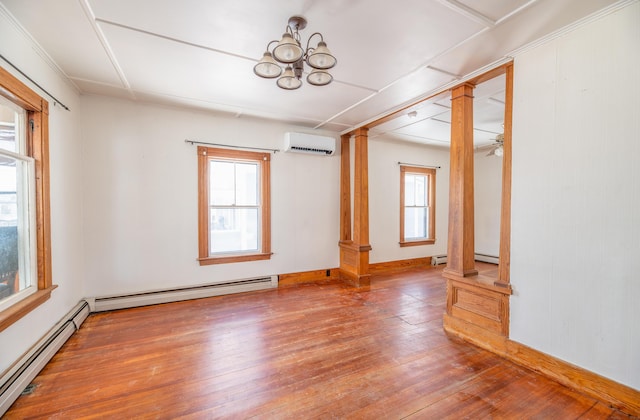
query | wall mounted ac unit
(309,143)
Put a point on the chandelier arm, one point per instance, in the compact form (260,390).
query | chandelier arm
(309,41)
(271,42)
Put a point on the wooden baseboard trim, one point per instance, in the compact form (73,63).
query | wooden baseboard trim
(622,397)
(308,276)
(398,265)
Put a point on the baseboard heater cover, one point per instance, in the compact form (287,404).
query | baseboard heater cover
(20,375)
(109,303)
(442,259)
(438,259)
(487,258)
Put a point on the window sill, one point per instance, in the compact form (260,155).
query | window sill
(22,308)
(233,259)
(417,243)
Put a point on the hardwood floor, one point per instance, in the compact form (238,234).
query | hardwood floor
(322,350)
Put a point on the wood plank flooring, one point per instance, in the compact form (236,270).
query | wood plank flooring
(322,350)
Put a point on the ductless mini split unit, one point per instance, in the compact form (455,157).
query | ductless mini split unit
(309,143)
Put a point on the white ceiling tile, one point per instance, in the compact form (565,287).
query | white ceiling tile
(64,31)
(538,20)
(175,69)
(405,91)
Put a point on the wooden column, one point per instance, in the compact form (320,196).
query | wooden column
(354,253)
(505,212)
(345,188)
(460,247)
(477,308)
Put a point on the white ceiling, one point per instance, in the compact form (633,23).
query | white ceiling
(201,53)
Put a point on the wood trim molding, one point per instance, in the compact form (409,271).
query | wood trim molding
(399,265)
(361,188)
(26,305)
(234,259)
(20,94)
(313,276)
(345,188)
(416,243)
(620,396)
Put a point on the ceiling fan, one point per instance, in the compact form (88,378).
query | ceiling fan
(497,147)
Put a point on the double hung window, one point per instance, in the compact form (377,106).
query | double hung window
(25,251)
(234,214)
(417,205)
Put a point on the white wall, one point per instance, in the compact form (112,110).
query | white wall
(140,180)
(487,190)
(575,253)
(66,205)
(384,198)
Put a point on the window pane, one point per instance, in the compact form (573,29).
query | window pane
(15,241)
(233,230)
(409,188)
(420,182)
(221,183)
(11,118)
(415,222)
(246,184)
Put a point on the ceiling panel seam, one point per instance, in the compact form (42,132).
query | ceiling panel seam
(207,48)
(515,11)
(468,12)
(176,40)
(105,44)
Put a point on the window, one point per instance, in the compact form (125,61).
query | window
(234,213)
(25,251)
(417,206)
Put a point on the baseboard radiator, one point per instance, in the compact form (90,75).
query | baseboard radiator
(442,259)
(24,370)
(487,258)
(109,303)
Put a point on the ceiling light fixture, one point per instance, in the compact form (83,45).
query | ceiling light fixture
(289,52)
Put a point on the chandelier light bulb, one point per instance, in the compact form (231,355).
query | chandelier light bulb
(288,51)
(319,77)
(321,57)
(289,81)
(267,67)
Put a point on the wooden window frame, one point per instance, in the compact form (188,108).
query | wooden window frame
(431,175)
(37,110)
(205,154)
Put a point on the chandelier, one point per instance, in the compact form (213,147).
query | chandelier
(289,53)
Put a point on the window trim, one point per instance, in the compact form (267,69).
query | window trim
(204,155)
(431,175)
(37,110)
